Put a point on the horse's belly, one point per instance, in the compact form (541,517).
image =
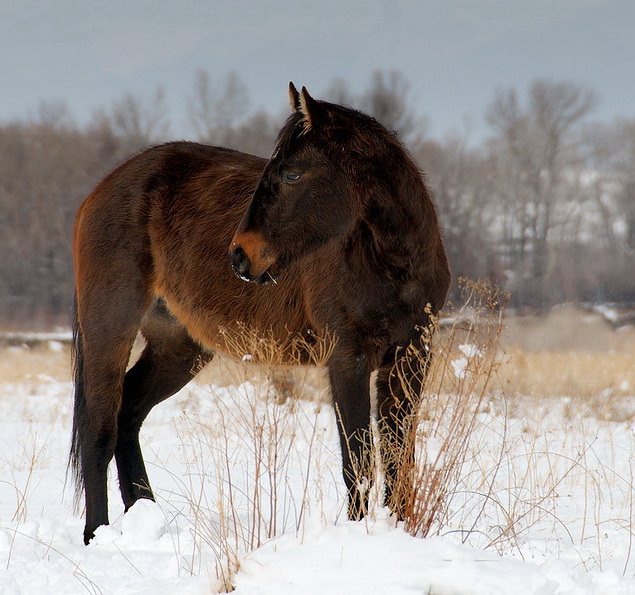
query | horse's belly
(261,331)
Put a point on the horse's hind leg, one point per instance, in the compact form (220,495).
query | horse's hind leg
(169,361)
(103,350)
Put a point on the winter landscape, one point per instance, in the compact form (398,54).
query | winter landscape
(538,494)
(525,442)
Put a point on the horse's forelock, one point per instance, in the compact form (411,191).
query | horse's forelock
(289,133)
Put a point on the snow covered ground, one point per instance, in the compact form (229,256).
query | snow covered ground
(250,495)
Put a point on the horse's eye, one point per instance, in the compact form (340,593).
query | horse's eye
(290,176)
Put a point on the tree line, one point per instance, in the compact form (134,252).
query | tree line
(544,206)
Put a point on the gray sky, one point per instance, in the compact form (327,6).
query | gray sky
(455,53)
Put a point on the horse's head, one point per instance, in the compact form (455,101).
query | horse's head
(307,194)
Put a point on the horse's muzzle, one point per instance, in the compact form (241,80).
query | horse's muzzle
(251,259)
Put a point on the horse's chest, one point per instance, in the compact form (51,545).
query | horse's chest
(377,317)
(372,310)
(380,318)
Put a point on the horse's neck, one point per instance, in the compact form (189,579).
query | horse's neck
(402,220)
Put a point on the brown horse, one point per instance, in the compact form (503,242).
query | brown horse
(340,236)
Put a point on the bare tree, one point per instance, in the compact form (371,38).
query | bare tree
(45,170)
(133,122)
(256,134)
(621,161)
(387,99)
(216,109)
(535,147)
(457,176)
(612,186)
(339,92)
(145,120)
(52,114)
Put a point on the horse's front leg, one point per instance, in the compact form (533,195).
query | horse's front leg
(350,387)
(400,383)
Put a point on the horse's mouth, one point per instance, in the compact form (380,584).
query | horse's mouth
(266,279)
(271,273)
(278,270)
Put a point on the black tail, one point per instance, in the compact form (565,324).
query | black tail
(79,409)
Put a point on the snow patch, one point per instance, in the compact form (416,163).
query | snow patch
(55,346)
(470,351)
(460,367)
(144,522)
(391,563)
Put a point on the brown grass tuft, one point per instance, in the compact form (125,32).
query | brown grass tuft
(465,359)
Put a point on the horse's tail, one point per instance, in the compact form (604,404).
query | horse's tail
(79,408)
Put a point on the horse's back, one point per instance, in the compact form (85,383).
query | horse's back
(148,194)
(164,180)
(161,224)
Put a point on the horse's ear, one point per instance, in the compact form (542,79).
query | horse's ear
(310,109)
(294,98)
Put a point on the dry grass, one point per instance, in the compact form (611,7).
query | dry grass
(49,361)
(567,354)
(465,359)
(237,489)
(573,356)
(586,377)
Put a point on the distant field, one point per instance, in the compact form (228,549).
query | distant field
(569,353)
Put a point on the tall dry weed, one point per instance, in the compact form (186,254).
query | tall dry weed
(465,358)
(241,488)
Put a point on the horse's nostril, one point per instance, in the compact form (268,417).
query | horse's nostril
(239,260)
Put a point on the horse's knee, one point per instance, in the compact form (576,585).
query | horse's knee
(98,444)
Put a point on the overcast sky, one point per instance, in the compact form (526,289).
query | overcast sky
(455,53)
